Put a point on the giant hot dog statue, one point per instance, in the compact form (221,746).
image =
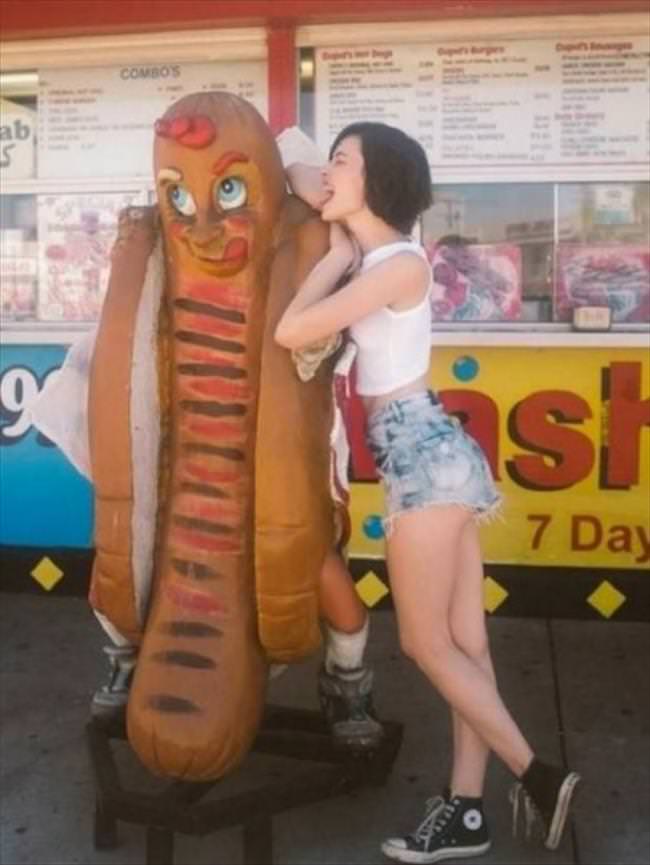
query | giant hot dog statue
(210,458)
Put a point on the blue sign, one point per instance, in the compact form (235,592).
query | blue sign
(44,501)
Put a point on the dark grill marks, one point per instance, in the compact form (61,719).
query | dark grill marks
(203,490)
(213,409)
(213,450)
(202,525)
(208,309)
(195,570)
(211,369)
(181,628)
(169,704)
(211,392)
(191,660)
(210,341)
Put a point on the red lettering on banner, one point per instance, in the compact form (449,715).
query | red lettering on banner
(480,417)
(627,415)
(571,451)
(478,413)
(362,464)
(559,456)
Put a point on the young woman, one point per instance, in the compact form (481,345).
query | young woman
(436,479)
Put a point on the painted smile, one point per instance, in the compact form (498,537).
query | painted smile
(231,259)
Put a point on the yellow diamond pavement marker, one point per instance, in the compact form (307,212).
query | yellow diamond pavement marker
(493,594)
(606,599)
(371,589)
(47,574)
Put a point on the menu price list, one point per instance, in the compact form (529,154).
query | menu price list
(605,86)
(502,105)
(387,84)
(99,122)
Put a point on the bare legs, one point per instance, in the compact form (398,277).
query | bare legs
(345,683)
(436,580)
(340,605)
(467,626)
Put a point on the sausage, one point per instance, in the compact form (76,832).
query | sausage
(244,514)
(198,691)
(225,561)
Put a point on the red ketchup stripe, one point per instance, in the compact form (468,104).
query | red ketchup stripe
(218,292)
(196,602)
(210,430)
(216,387)
(186,354)
(211,476)
(207,324)
(200,541)
(197,506)
(212,355)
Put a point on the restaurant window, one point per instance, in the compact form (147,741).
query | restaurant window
(602,257)
(491,251)
(527,252)
(56,232)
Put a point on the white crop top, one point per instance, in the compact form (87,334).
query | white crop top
(393,346)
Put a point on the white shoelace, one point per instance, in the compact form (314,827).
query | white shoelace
(438,813)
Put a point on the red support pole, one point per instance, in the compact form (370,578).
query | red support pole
(282,78)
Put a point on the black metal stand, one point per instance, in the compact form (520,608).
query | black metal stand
(293,733)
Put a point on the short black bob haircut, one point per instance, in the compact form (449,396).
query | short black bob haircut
(397,176)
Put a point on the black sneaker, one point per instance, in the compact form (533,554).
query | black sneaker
(547,793)
(346,701)
(452,828)
(109,701)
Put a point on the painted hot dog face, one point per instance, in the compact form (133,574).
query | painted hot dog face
(220,186)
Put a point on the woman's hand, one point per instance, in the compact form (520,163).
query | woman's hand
(344,245)
(306,181)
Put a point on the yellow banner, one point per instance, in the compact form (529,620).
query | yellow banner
(567,433)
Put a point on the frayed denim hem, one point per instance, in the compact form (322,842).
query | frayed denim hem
(482,515)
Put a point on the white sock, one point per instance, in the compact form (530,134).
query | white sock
(345,651)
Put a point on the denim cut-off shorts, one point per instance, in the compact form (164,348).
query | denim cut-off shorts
(425,458)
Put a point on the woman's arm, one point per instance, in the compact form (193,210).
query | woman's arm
(318,285)
(306,181)
(303,163)
(318,311)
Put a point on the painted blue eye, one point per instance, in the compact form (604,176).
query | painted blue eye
(232,192)
(181,200)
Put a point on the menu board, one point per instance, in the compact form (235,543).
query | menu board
(76,234)
(98,122)
(500,110)
(394,85)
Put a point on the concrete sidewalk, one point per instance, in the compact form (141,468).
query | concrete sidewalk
(579,690)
